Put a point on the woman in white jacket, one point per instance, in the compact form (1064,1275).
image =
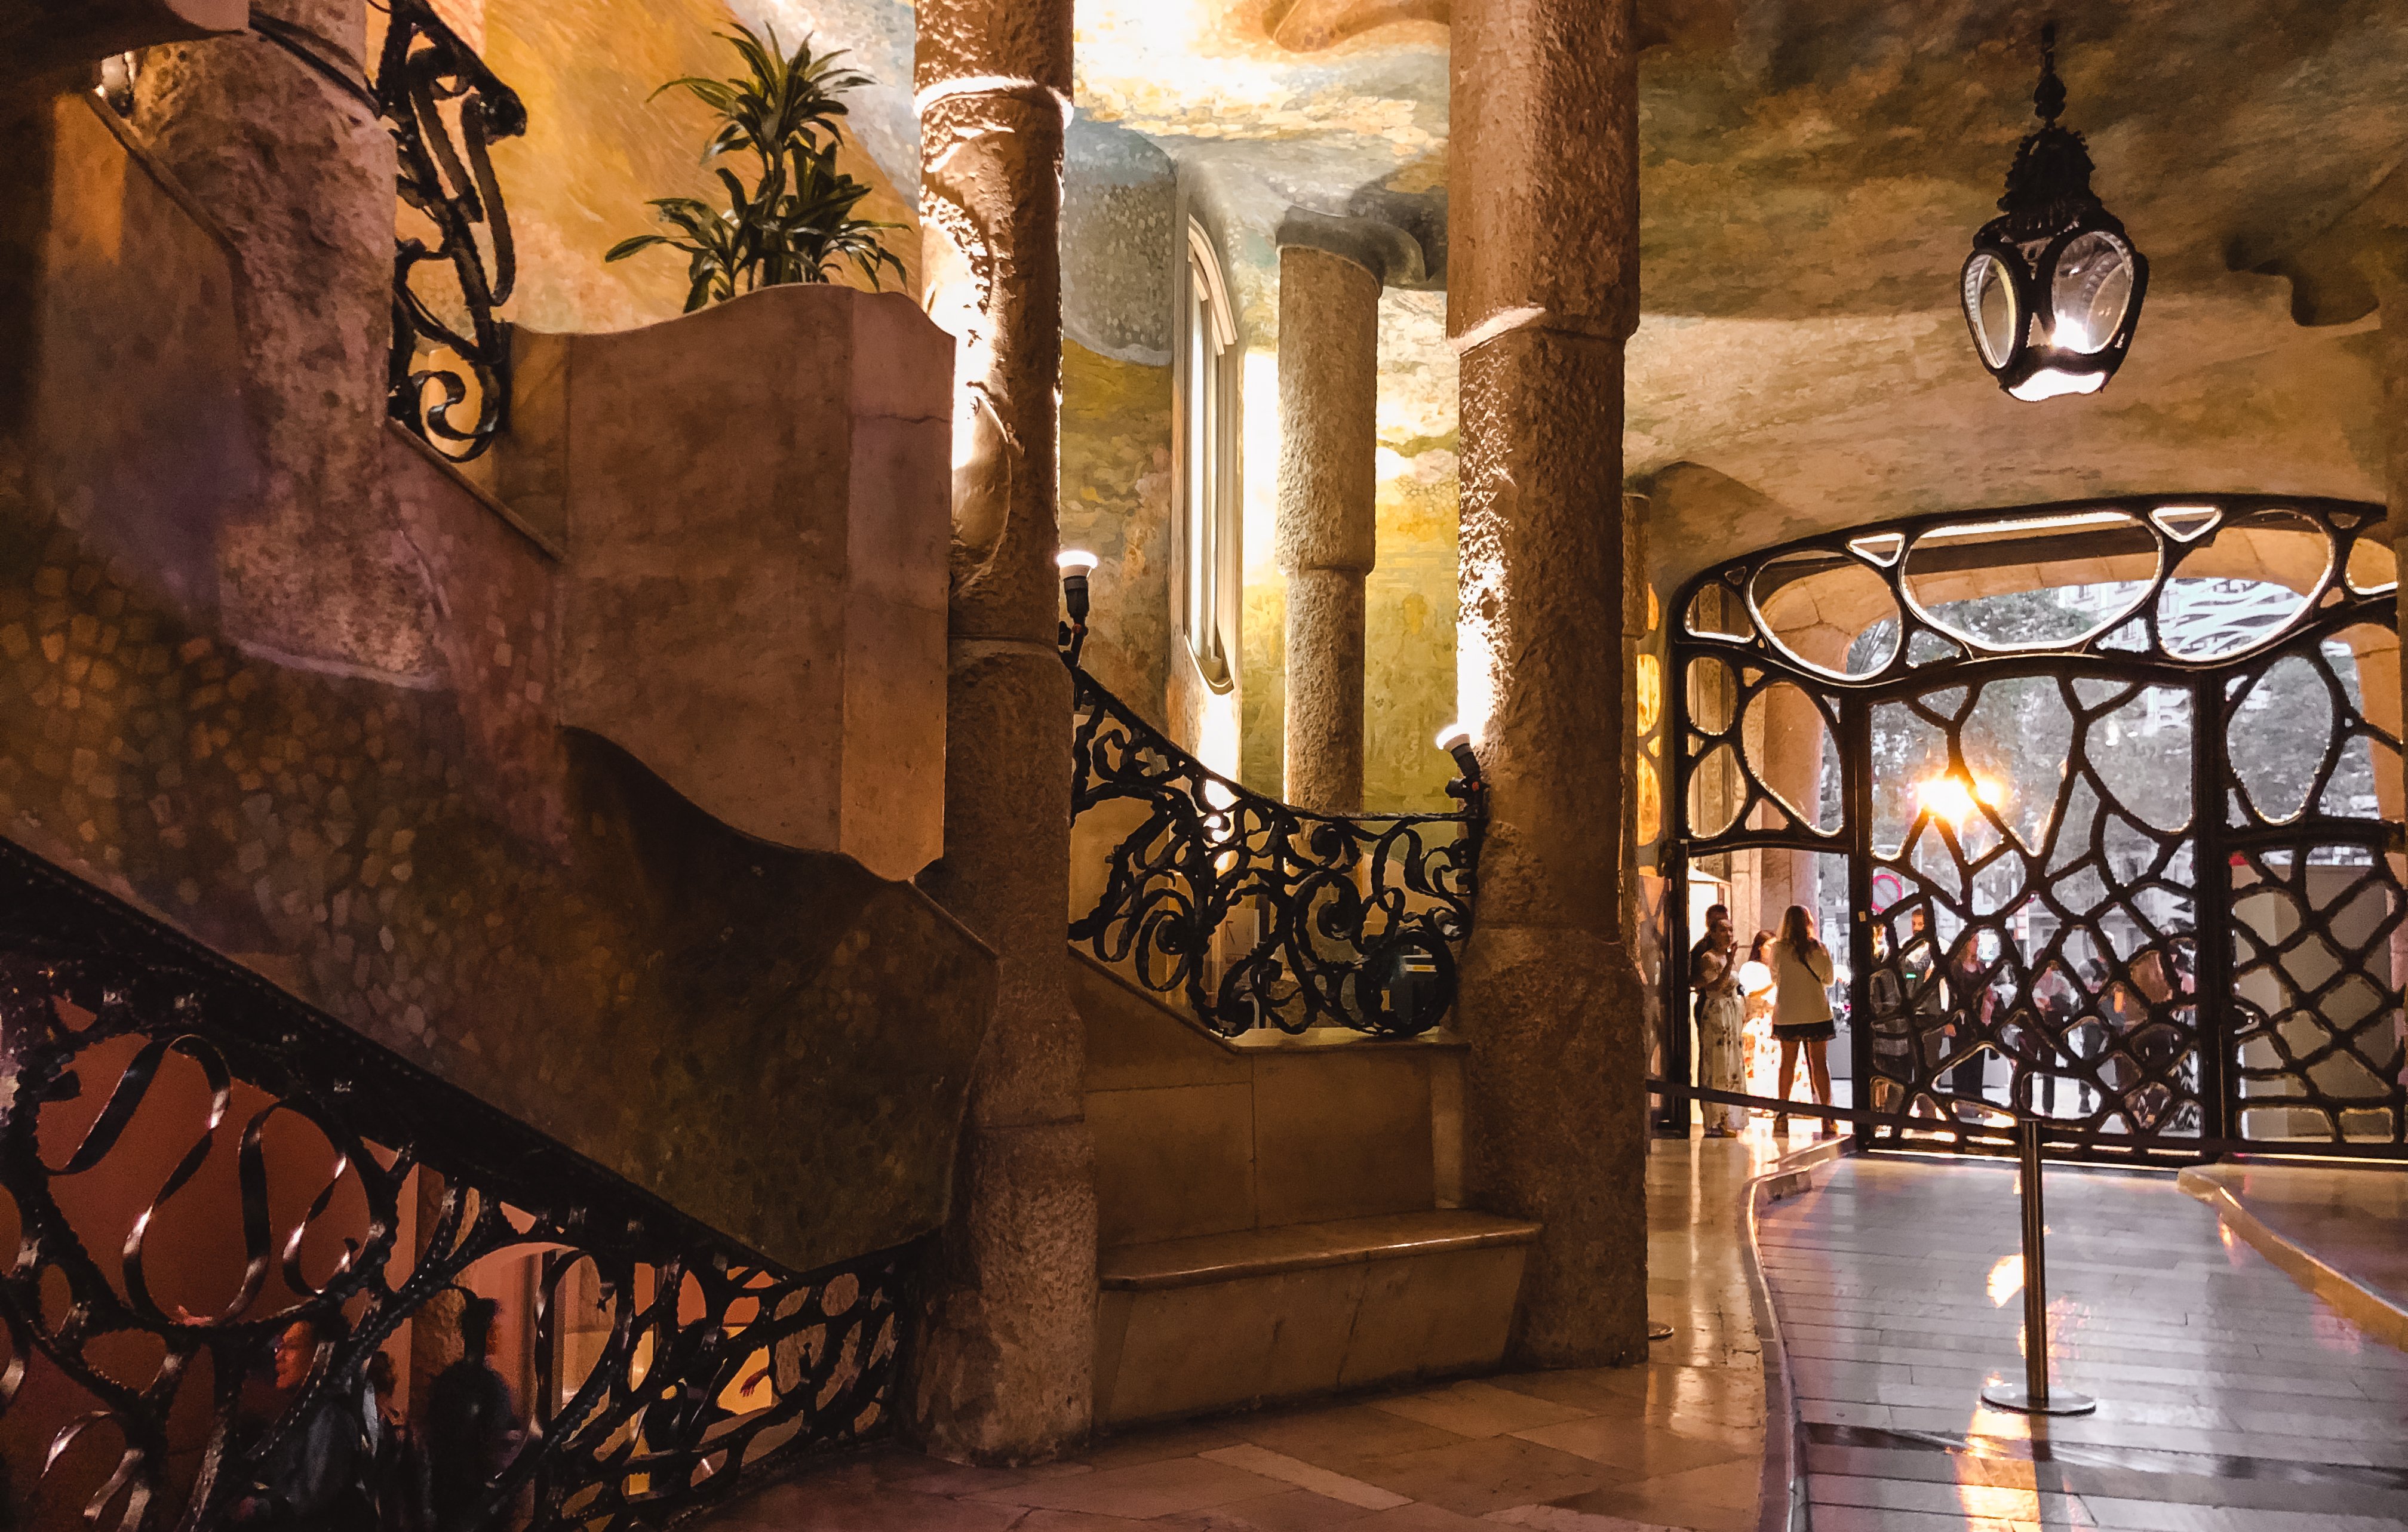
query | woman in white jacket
(1801,1007)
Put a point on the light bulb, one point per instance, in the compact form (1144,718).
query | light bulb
(2049,384)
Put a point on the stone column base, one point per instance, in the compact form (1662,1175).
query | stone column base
(1555,1082)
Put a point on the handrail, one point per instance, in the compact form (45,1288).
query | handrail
(712,1361)
(1259,913)
(423,64)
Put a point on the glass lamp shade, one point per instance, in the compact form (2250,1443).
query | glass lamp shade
(2054,316)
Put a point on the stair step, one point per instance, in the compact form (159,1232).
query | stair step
(1209,1323)
(1297,1247)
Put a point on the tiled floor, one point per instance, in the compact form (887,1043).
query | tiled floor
(2354,1218)
(1678,1443)
(2229,1399)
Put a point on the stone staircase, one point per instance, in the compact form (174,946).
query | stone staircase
(1279,1216)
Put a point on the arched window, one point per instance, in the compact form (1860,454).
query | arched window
(1208,569)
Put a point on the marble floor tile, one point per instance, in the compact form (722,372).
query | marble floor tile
(1565,1519)
(1711,1499)
(1476,1409)
(1419,1518)
(1291,1470)
(1644,1451)
(1147,1489)
(1340,1436)
(1489,1474)
(1290,1510)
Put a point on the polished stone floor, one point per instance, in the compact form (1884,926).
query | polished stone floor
(2354,1218)
(1676,1444)
(2230,1400)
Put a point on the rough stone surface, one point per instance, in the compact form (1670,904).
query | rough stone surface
(1545,95)
(2394,292)
(1004,1369)
(994,1368)
(794,684)
(37,36)
(301,175)
(1328,526)
(1122,244)
(1546,215)
(523,910)
(1555,1120)
(1324,691)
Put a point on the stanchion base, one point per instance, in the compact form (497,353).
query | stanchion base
(2015,1397)
(1658,1330)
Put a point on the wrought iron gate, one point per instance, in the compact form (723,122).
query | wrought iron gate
(2115,788)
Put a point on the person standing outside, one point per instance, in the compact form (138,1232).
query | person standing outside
(1801,1009)
(1718,928)
(1717,923)
(1722,1020)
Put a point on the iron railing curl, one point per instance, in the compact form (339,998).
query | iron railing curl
(423,66)
(1259,914)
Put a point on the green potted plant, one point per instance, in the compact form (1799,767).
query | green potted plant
(793,222)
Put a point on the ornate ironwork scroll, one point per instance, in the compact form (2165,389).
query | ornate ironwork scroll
(2115,785)
(196,1163)
(423,67)
(1259,914)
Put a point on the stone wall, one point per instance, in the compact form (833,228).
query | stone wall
(1122,255)
(599,145)
(1409,602)
(776,1041)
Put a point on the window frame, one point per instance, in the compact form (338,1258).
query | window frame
(1207,551)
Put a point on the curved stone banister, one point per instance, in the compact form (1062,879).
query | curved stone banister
(1256,913)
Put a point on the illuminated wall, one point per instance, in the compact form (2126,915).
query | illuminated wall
(599,146)
(1409,600)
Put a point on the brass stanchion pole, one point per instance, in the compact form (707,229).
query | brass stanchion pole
(2034,1396)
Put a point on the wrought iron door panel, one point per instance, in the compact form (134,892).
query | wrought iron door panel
(2125,841)
(2058,937)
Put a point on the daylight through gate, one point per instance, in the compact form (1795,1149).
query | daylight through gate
(2098,805)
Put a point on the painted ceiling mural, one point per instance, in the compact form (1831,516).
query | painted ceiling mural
(1814,170)
(1812,174)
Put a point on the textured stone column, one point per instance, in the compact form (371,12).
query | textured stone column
(1004,1366)
(2392,292)
(38,39)
(1328,529)
(1543,292)
(2392,309)
(300,173)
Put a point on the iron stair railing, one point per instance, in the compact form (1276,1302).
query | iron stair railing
(713,1361)
(1258,914)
